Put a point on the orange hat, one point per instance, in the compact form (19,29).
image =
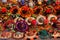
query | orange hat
(25,11)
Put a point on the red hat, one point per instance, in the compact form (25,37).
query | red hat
(4,10)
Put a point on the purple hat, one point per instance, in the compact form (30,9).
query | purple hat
(21,26)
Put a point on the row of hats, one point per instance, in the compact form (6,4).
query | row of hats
(21,24)
(26,11)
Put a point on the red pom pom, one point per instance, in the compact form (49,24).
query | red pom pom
(48,11)
(4,10)
(54,21)
(57,2)
(26,8)
(33,22)
(46,21)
